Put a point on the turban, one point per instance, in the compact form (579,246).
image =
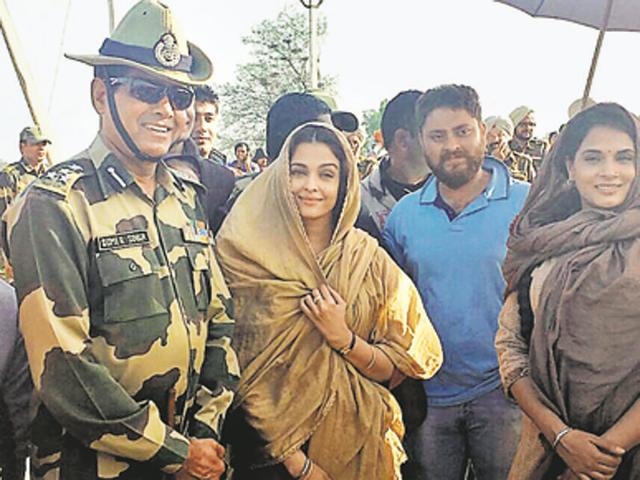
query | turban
(576,106)
(501,123)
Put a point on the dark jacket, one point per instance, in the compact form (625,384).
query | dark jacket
(15,389)
(219,182)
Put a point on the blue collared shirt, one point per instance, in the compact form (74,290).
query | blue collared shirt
(457,266)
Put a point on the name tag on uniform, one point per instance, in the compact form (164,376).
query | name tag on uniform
(196,232)
(123,240)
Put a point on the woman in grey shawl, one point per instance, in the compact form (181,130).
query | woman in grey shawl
(569,329)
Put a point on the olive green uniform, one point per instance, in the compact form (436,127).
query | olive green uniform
(14,179)
(123,308)
(534,148)
(520,166)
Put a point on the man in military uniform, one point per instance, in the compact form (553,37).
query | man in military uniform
(15,177)
(499,132)
(123,309)
(523,141)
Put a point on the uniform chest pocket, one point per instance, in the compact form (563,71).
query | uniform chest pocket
(132,289)
(201,274)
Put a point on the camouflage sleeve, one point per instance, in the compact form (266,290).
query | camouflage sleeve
(7,191)
(52,271)
(220,371)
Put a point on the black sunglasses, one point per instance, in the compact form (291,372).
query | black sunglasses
(149,92)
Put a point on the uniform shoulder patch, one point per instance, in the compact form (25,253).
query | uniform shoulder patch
(60,178)
(11,169)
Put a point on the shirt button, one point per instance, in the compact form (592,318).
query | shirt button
(133,267)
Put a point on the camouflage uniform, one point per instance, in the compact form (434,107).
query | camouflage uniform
(14,178)
(520,166)
(534,149)
(123,308)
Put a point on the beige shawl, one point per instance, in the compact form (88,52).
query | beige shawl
(294,388)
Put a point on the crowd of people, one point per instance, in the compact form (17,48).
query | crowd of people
(464,306)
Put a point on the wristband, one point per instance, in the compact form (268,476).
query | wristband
(344,351)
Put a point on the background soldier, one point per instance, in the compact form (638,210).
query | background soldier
(15,177)
(123,308)
(499,132)
(523,141)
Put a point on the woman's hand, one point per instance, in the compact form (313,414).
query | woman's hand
(327,310)
(590,456)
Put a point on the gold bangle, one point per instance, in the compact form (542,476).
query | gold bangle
(372,362)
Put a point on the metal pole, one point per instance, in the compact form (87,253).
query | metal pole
(313,5)
(112,16)
(313,49)
(20,65)
(596,53)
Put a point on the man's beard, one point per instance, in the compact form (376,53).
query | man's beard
(460,176)
(523,137)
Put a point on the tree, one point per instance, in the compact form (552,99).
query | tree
(279,64)
(373,118)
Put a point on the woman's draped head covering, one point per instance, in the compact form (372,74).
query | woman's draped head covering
(294,387)
(585,331)
(554,203)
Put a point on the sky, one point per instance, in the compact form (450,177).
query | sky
(375,49)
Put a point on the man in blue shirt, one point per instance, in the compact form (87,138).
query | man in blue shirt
(450,237)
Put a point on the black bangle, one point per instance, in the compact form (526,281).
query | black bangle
(344,351)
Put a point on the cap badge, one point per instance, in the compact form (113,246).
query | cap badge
(166,51)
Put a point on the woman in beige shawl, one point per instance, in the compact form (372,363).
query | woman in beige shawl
(569,329)
(325,320)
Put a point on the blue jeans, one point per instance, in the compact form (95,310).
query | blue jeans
(484,431)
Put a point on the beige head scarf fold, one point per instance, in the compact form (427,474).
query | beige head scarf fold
(294,388)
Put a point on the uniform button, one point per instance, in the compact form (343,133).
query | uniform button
(133,267)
